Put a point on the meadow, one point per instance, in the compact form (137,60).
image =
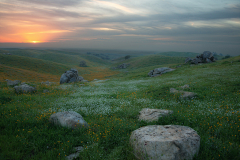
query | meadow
(111,106)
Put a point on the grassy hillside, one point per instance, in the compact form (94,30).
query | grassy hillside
(111,108)
(63,57)
(33,64)
(50,66)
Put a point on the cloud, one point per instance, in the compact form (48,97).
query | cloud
(57,3)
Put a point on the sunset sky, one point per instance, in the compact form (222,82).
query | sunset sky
(157,25)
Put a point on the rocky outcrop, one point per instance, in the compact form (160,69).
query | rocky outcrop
(24,88)
(68,119)
(147,114)
(184,94)
(13,83)
(165,142)
(159,71)
(70,76)
(205,57)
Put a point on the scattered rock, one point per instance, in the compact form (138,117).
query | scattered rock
(70,76)
(123,66)
(45,91)
(75,155)
(150,115)
(69,119)
(78,150)
(179,66)
(205,57)
(48,83)
(25,88)
(159,71)
(185,86)
(165,142)
(13,83)
(184,94)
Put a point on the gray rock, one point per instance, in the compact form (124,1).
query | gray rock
(207,54)
(196,61)
(13,83)
(205,57)
(78,150)
(184,94)
(150,115)
(159,71)
(75,155)
(25,88)
(165,142)
(123,66)
(208,61)
(68,119)
(185,86)
(70,76)
(188,60)
(179,66)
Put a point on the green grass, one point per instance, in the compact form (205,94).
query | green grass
(111,109)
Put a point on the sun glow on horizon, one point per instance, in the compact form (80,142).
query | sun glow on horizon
(35,41)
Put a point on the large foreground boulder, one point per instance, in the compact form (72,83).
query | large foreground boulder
(13,83)
(69,119)
(149,115)
(165,142)
(24,88)
(184,94)
(70,76)
(159,71)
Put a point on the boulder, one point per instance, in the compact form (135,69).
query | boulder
(13,83)
(69,119)
(196,61)
(207,54)
(25,88)
(70,76)
(150,115)
(165,142)
(184,94)
(188,60)
(205,57)
(123,66)
(159,71)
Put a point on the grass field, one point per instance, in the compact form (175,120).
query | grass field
(111,108)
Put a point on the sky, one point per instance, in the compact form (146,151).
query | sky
(154,25)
